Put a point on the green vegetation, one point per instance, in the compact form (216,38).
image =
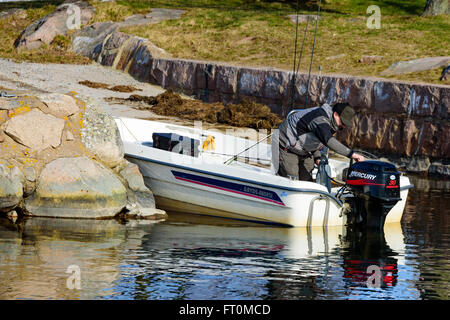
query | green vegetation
(258,33)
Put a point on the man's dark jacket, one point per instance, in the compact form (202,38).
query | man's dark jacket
(305,131)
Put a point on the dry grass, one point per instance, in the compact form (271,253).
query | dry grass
(57,52)
(266,38)
(113,11)
(258,33)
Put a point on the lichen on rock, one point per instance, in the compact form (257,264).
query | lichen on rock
(101,135)
(35,130)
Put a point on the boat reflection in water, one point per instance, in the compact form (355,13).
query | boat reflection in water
(199,258)
(369,260)
(280,263)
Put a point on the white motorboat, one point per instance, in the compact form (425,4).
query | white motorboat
(199,181)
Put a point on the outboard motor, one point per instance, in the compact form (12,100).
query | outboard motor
(376,189)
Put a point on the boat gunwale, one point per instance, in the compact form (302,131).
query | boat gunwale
(339,202)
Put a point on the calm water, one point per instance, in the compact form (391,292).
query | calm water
(204,258)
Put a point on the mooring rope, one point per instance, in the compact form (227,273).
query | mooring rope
(128,130)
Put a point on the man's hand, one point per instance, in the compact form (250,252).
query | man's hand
(318,161)
(357,157)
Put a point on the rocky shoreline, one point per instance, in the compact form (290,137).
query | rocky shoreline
(62,156)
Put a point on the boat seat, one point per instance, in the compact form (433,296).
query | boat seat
(147,143)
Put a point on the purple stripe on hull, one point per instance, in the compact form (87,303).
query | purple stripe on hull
(249,191)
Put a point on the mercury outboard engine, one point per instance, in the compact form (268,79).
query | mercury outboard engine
(376,189)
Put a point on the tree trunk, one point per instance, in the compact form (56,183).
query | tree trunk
(435,7)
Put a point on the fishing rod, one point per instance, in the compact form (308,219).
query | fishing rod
(295,70)
(234,158)
(295,55)
(312,53)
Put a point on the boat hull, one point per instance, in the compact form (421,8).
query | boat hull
(189,191)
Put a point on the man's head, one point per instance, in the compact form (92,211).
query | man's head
(343,115)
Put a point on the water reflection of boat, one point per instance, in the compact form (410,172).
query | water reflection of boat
(196,257)
(197,180)
(284,263)
(371,259)
(200,232)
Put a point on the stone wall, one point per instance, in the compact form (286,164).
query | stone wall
(400,118)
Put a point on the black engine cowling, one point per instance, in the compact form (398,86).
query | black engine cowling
(376,187)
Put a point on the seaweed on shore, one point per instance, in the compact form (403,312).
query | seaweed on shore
(100,85)
(245,114)
(95,85)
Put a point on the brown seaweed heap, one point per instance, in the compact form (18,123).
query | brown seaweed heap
(245,114)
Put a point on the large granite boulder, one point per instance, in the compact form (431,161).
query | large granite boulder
(22,13)
(417,65)
(35,129)
(156,15)
(89,40)
(77,188)
(141,201)
(60,105)
(59,152)
(103,43)
(59,22)
(101,135)
(11,189)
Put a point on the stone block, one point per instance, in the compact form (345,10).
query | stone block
(424,100)
(276,85)
(227,79)
(391,97)
(360,93)
(183,75)
(443,107)
(159,72)
(251,82)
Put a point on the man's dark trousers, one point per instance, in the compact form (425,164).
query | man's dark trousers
(291,164)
